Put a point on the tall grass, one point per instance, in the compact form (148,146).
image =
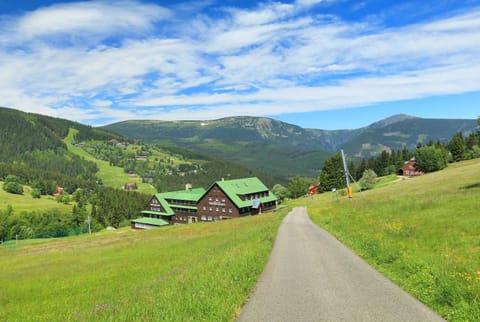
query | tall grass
(194,272)
(423,233)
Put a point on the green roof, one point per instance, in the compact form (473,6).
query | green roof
(149,212)
(151,221)
(186,195)
(239,187)
(191,195)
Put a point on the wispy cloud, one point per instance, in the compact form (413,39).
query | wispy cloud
(89,18)
(114,60)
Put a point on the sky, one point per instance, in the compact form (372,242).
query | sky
(327,64)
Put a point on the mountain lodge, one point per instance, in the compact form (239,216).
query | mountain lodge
(225,199)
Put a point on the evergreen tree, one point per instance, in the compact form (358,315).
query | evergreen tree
(361,168)
(332,174)
(457,147)
(471,141)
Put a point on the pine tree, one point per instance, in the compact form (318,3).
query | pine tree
(332,174)
(457,147)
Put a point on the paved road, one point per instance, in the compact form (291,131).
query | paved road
(311,276)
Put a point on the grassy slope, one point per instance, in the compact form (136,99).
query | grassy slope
(25,202)
(422,233)
(194,272)
(111,176)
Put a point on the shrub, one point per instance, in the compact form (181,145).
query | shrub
(368,179)
(36,193)
(13,187)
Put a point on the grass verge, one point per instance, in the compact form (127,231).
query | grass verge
(422,233)
(199,272)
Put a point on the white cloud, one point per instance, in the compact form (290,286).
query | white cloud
(104,17)
(275,59)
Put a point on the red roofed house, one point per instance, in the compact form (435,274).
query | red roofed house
(409,170)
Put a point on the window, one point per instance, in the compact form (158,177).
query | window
(230,210)
(204,217)
(217,210)
(209,218)
(204,208)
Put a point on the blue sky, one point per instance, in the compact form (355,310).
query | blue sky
(326,64)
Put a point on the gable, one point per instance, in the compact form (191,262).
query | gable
(158,206)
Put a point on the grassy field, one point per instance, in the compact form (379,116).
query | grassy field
(422,233)
(110,175)
(194,272)
(25,202)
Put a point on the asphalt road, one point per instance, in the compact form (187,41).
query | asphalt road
(311,276)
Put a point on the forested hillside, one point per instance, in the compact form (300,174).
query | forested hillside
(97,173)
(288,150)
(405,132)
(32,149)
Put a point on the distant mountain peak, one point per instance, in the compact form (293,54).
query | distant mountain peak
(391,120)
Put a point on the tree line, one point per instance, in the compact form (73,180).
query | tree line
(429,157)
(103,206)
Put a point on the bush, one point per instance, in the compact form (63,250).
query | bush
(368,179)
(13,187)
(36,193)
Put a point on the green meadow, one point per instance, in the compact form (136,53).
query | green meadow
(423,233)
(197,272)
(25,202)
(110,175)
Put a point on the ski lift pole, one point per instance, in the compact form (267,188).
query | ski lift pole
(347,176)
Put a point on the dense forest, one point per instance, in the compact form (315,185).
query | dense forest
(32,148)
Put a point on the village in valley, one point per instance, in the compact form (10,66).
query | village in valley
(238,161)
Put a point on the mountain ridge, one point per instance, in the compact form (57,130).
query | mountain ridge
(257,141)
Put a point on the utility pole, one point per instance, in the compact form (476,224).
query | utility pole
(347,176)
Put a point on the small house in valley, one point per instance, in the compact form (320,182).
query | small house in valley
(224,199)
(409,170)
